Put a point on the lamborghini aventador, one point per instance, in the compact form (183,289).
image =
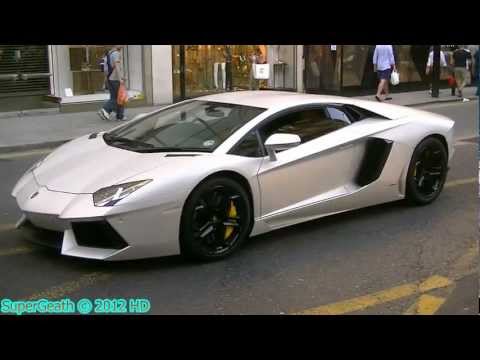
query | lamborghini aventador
(199,177)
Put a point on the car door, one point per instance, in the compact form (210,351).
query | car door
(316,170)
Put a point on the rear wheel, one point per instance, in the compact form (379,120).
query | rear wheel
(427,172)
(216,219)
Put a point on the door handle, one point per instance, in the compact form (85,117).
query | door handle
(344,147)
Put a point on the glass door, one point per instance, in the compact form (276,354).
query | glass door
(322,68)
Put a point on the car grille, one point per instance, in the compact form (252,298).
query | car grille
(50,238)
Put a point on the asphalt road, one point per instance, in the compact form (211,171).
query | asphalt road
(371,261)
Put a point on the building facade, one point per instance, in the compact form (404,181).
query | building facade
(69,76)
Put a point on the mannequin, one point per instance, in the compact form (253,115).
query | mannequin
(219,67)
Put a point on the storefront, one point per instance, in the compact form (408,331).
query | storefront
(77,77)
(24,76)
(348,69)
(204,69)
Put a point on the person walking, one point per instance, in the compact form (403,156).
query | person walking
(428,70)
(461,62)
(383,63)
(115,77)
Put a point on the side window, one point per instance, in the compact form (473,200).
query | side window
(308,124)
(338,115)
(249,146)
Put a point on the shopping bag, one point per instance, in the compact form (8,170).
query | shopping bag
(451,81)
(261,71)
(395,78)
(122,97)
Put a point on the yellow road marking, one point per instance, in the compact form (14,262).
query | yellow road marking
(425,305)
(60,291)
(17,251)
(381,297)
(465,264)
(7,227)
(461,182)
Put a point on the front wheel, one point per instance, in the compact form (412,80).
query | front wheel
(216,219)
(427,172)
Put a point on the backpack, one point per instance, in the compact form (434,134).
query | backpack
(106,65)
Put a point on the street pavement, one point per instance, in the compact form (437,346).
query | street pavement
(387,259)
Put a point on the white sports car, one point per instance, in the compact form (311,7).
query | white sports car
(199,177)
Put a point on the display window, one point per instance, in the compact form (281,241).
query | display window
(349,68)
(78,76)
(204,69)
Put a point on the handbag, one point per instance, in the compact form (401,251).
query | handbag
(451,81)
(395,78)
(261,71)
(122,97)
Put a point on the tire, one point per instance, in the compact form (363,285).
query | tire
(427,172)
(216,202)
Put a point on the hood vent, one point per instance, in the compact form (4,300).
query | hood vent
(181,155)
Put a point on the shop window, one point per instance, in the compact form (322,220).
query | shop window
(87,76)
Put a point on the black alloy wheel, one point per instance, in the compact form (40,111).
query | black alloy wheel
(427,172)
(216,219)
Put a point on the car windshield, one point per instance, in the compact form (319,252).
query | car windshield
(190,126)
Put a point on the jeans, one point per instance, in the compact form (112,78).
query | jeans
(111,104)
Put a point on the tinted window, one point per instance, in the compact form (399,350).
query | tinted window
(359,114)
(190,126)
(308,124)
(249,146)
(338,115)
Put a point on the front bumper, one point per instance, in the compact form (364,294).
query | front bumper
(72,224)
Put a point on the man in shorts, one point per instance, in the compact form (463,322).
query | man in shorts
(384,63)
(462,59)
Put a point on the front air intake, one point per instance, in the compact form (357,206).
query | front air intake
(97,234)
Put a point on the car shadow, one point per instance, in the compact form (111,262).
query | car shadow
(251,246)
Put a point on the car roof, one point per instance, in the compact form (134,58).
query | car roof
(267,99)
(278,100)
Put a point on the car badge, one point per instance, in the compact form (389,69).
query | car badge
(35,194)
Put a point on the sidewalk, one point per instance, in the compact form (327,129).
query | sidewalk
(44,128)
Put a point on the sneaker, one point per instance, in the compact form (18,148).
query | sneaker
(122,119)
(465,100)
(103,114)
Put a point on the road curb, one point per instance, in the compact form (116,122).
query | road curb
(471,98)
(16,148)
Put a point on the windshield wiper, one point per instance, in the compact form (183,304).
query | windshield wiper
(118,139)
(173,149)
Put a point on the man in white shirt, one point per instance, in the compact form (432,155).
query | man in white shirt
(384,63)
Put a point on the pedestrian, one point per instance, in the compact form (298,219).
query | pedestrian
(383,63)
(115,77)
(461,62)
(256,58)
(428,70)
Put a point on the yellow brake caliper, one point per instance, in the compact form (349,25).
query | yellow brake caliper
(232,213)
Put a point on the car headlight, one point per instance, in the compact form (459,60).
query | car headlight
(110,195)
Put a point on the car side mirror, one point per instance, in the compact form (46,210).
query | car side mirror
(279,141)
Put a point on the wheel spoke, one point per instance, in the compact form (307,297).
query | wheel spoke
(207,230)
